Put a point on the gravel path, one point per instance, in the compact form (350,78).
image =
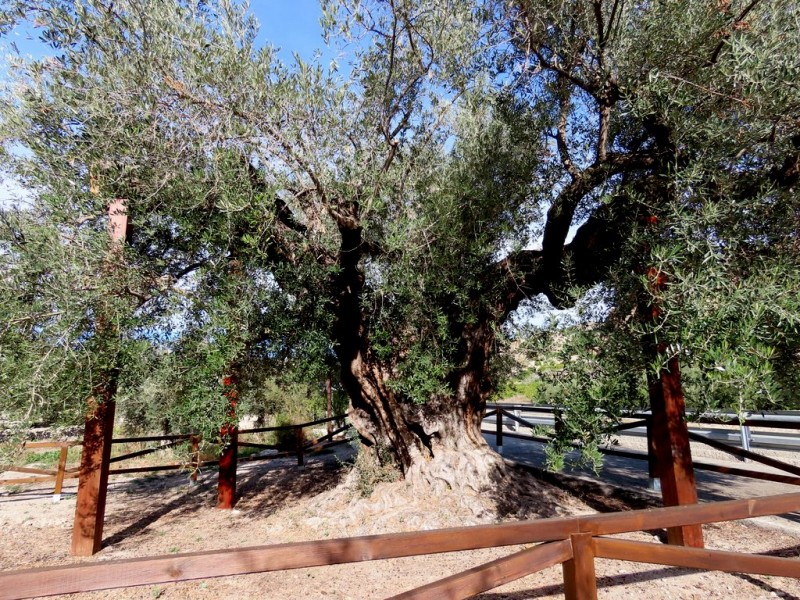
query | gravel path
(279,503)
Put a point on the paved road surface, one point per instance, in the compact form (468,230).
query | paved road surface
(632,473)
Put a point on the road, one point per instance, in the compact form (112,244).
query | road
(632,474)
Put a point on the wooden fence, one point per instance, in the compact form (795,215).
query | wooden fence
(790,475)
(57,475)
(302,448)
(90,517)
(573,542)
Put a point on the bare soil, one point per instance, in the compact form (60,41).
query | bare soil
(279,502)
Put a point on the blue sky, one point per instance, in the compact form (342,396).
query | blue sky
(291,25)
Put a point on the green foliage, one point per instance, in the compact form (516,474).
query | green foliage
(286,220)
(602,378)
(372,466)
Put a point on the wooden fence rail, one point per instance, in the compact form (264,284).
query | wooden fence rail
(62,472)
(57,475)
(573,542)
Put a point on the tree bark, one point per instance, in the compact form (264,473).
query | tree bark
(438,443)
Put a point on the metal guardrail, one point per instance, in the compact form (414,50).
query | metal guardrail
(744,437)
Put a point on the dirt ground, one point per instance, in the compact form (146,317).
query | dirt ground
(279,502)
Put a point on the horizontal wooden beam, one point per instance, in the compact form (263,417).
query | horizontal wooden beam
(242,444)
(31,470)
(741,453)
(152,438)
(86,577)
(26,480)
(493,574)
(172,467)
(67,444)
(216,563)
(693,514)
(287,427)
(144,452)
(752,474)
(696,558)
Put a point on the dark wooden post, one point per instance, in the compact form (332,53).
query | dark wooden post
(229,433)
(669,434)
(228,461)
(580,582)
(498,430)
(90,507)
(299,442)
(329,403)
(674,455)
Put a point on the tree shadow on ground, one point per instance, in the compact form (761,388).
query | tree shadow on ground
(188,500)
(522,494)
(607,581)
(263,487)
(262,492)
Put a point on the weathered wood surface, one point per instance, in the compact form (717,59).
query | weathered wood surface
(580,582)
(696,514)
(98,431)
(31,470)
(60,474)
(696,558)
(90,506)
(216,563)
(226,483)
(68,444)
(764,460)
(25,480)
(673,451)
(493,574)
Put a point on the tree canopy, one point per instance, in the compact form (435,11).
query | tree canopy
(390,220)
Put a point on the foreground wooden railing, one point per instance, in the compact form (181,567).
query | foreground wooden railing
(573,542)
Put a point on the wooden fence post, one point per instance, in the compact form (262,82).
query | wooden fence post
(670,435)
(229,432)
(226,485)
(580,582)
(299,442)
(62,465)
(671,440)
(194,441)
(90,507)
(498,432)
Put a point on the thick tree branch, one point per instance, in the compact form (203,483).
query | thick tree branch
(562,211)
(592,251)
(564,103)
